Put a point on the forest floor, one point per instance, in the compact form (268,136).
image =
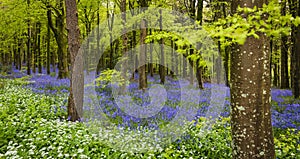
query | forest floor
(34,122)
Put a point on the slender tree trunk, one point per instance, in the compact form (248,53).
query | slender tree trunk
(296,77)
(226,65)
(151,56)
(296,55)
(219,64)
(34,48)
(110,22)
(124,40)
(48,47)
(172,59)
(191,67)
(293,11)
(28,44)
(19,54)
(198,67)
(162,69)
(75,102)
(59,34)
(284,55)
(252,134)
(142,68)
(184,64)
(39,55)
(101,60)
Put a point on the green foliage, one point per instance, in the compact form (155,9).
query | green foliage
(236,28)
(108,77)
(287,144)
(29,128)
(21,110)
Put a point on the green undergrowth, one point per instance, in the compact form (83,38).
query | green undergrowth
(30,128)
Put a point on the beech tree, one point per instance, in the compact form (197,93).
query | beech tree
(75,101)
(250,94)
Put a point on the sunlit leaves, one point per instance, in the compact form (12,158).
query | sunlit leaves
(249,21)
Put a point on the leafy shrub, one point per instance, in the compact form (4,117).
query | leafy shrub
(110,77)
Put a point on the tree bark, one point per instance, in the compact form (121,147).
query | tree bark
(293,11)
(296,55)
(75,101)
(39,55)
(284,55)
(48,48)
(252,134)
(296,77)
(59,34)
(162,69)
(142,68)
(28,44)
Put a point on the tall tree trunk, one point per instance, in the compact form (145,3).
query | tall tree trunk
(19,54)
(39,55)
(252,134)
(284,55)
(110,22)
(59,34)
(124,40)
(28,44)
(226,65)
(184,64)
(75,102)
(101,60)
(172,59)
(151,56)
(162,69)
(63,71)
(142,68)
(275,64)
(48,47)
(34,48)
(293,11)
(198,67)
(191,67)
(296,77)
(296,56)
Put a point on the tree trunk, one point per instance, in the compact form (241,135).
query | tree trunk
(142,68)
(184,65)
(296,77)
(124,40)
(19,54)
(75,101)
(226,65)
(151,56)
(28,44)
(110,22)
(101,60)
(59,34)
(198,67)
(252,135)
(191,67)
(48,47)
(39,55)
(162,69)
(142,58)
(293,11)
(284,55)
(296,55)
